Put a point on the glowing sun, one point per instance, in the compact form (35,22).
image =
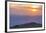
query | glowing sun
(34,10)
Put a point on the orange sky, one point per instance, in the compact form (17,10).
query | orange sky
(26,9)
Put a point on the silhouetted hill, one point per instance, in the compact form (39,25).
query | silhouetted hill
(28,25)
(17,19)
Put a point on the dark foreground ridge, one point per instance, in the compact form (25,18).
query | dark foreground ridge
(27,25)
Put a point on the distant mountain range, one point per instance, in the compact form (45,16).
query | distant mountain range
(27,25)
(17,19)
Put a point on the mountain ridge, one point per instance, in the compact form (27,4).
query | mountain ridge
(14,20)
(28,25)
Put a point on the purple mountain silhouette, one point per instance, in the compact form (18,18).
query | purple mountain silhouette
(17,20)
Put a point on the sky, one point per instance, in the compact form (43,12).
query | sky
(21,13)
(26,9)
